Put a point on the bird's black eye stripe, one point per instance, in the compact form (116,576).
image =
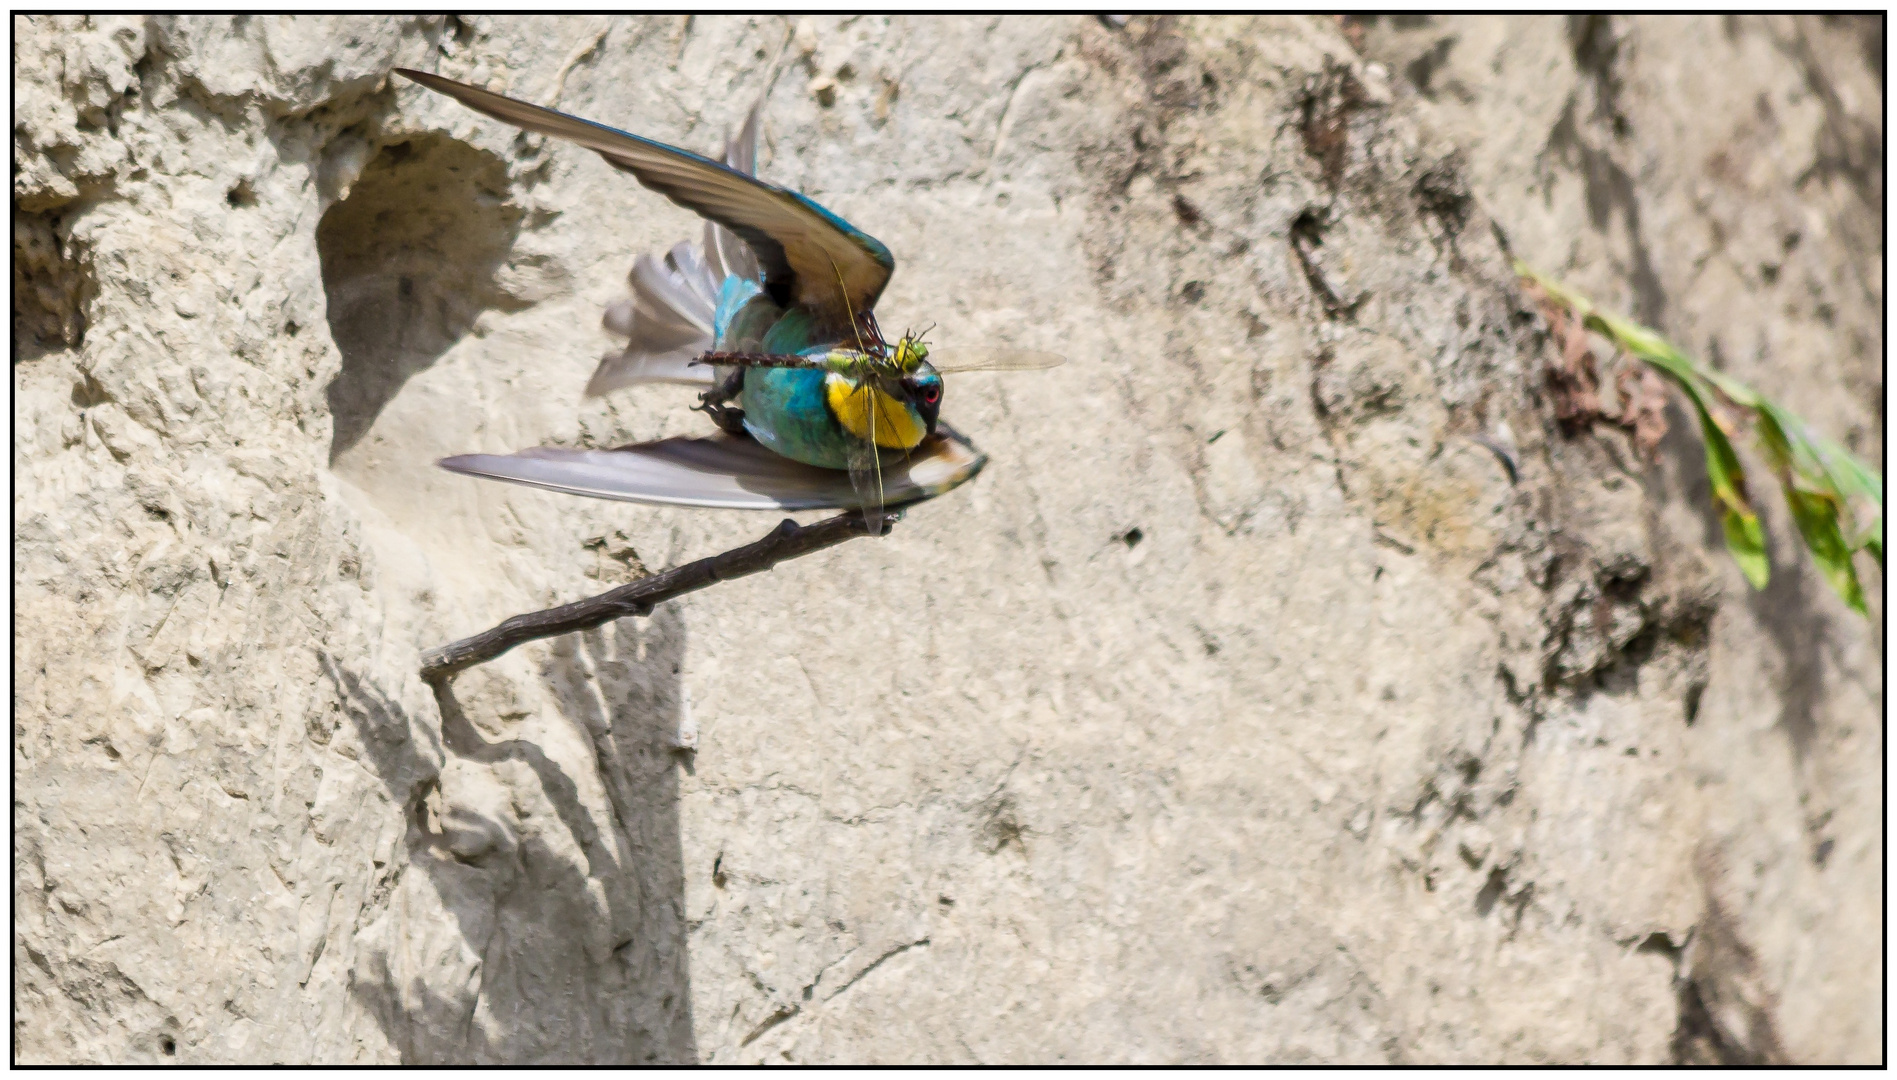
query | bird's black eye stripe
(927,393)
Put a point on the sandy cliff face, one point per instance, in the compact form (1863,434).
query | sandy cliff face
(1245,709)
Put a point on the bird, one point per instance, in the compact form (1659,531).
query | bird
(772,317)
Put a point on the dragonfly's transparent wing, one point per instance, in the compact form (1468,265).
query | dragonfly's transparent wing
(867,462)
(949,358)
(866,480)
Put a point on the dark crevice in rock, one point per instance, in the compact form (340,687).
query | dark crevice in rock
(1307,237)
(1491,891)
(410,260)
(1443,192)
(999,825)
(1171,82)
(1324,110)
(1421,71)
(782,1014)
(52,285)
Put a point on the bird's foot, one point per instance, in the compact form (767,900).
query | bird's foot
(729,418)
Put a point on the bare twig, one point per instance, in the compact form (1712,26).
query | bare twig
(787,541)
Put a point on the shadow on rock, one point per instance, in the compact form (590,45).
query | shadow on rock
(536,915)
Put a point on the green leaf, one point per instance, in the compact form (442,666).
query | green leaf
(1634,338)
(1851,476)
(1745,539)
(1776,442)
(1817,517)
(1813,500)
(1745,536)
(1823,467)
(1825,485)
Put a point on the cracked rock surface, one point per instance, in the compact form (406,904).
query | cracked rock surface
(1291,687)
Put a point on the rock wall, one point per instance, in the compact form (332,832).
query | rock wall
(1249,707)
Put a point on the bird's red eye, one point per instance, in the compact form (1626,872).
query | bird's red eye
(930,394)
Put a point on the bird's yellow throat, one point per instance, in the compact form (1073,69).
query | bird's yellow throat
(896,425)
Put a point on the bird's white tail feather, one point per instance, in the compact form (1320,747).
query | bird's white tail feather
(669,316)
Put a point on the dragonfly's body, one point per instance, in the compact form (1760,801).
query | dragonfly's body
(772,313)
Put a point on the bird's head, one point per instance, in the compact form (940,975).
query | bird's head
(920,380)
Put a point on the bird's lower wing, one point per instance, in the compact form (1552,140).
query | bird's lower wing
(724,472)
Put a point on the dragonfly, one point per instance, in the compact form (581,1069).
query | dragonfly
(772,318)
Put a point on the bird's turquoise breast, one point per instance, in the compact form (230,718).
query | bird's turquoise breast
(784,408)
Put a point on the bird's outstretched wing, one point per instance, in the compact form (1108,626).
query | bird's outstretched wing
(808,256)
(669,320)
(725,472)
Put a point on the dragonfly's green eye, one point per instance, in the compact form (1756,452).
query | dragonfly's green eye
(910,351)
